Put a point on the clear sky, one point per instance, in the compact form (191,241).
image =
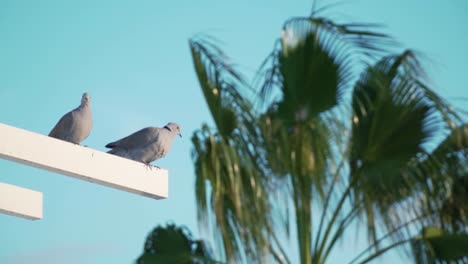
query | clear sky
(133,58)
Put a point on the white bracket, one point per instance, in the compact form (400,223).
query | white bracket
(21,202)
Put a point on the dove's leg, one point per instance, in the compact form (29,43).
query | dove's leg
(148,165)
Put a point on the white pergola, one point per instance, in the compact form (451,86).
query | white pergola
(72,160)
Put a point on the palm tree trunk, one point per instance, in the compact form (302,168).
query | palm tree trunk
(303,223)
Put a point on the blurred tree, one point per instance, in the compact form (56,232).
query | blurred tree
(172,244)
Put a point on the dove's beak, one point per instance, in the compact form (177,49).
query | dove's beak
(180,135)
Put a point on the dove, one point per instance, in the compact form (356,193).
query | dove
(75,125)
(147,144)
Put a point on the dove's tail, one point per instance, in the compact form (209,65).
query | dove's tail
(114,151)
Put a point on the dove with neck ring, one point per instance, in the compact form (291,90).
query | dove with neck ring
(146,145)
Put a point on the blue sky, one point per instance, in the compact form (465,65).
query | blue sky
(133,58)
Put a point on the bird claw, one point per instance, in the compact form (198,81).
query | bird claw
(147,165)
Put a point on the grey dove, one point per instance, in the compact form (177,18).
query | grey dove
(75,125)
(147,144)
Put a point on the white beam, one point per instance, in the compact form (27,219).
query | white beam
(83,163)
(21,202)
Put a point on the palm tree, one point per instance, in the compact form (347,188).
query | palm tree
(337,126)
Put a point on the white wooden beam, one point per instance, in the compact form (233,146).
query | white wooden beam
(80,162)
(21,202)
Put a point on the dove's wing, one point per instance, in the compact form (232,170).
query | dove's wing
(64,126)
(136,140)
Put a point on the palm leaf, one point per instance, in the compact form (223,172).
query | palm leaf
(218,80)
(437,246)
(393,119)
(310,75)
(233,181)
(316,62)
(447,169)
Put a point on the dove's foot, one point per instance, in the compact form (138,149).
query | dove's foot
(148,165)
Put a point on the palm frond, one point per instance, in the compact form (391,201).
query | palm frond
(446,168)
(393,119)
(317,59)
(436,246)
(234,181)
(220,84)
(299,158)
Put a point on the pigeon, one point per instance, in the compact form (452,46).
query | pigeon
(147,144)
(75,125)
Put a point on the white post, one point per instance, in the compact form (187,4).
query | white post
(21,202)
